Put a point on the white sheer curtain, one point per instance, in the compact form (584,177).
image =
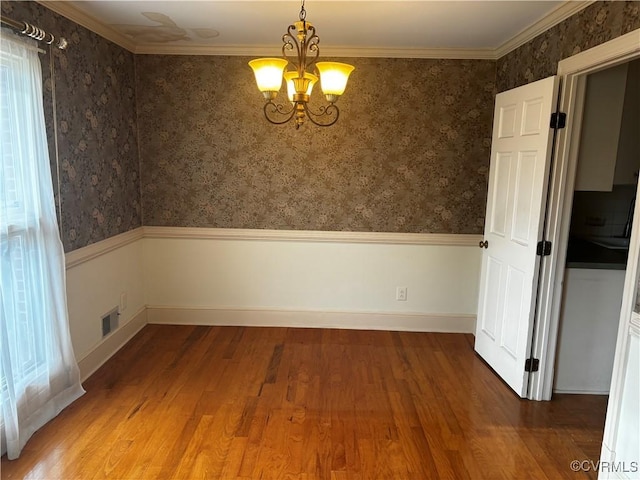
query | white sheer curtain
(39,375)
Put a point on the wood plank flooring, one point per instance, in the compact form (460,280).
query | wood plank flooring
(189,402)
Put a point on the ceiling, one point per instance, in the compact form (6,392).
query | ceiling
(391,28)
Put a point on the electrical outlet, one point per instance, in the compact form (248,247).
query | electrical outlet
(123,301)
(401,294)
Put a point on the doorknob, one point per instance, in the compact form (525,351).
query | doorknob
(484,244)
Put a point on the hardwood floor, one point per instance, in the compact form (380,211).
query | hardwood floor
(276,403)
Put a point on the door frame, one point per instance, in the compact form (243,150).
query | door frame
(572,73)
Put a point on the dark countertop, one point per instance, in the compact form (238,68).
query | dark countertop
(584,254)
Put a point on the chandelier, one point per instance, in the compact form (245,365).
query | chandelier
(300,40)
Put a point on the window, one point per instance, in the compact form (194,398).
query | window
(39,375)
(20,326)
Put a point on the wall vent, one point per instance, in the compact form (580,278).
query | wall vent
(110,322)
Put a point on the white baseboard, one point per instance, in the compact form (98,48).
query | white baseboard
(263,317)
(581,392)
(102,352)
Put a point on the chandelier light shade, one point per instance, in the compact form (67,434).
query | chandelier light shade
(301,71)
(268,73)
(292,79)
(334,77)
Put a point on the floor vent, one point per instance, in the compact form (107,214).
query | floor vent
(110,322)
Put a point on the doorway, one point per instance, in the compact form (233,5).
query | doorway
(573,74)
(603,203)
(620,440)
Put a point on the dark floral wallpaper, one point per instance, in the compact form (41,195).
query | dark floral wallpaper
(538,59)
(98,169)
(410,151)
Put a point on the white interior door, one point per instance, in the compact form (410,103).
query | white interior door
(518,179)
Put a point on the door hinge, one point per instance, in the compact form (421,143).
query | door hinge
(544,248)
(558,120)
(531,365)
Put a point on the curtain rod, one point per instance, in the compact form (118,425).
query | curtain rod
(32,31)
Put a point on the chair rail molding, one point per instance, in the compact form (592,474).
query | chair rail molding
(390,238)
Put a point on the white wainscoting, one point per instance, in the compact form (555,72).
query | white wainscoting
(205,276)
(97,275)
(313,279)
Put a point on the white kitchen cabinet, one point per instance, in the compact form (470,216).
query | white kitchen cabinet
(628,156)
(601,122)
(588,330)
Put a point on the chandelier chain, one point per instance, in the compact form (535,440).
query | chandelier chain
(303,12)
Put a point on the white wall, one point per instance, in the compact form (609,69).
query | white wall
(97,275)
(627,439)
(325,275)
(245,277)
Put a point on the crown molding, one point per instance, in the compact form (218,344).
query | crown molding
(200,49)
(381,52)
(345,52)
(562,12)
(66,9)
